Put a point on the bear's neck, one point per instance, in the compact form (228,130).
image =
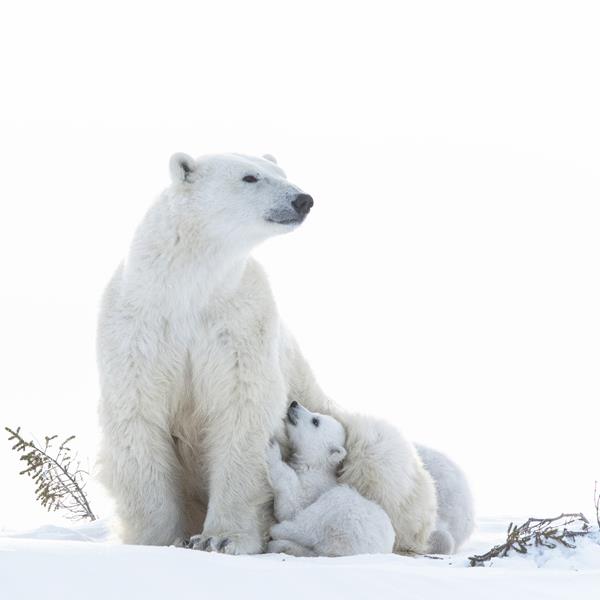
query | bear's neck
(175,262)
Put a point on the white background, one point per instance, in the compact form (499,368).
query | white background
(447,278)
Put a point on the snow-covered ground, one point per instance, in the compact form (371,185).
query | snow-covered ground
(83,562)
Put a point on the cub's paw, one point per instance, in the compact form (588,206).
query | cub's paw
(227,543)
(278,547)
(273,452)
(288,547)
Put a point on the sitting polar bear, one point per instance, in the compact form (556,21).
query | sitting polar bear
(197,371)
(318,516)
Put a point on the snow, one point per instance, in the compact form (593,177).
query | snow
(84,561)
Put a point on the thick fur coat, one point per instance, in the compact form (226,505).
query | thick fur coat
(317,515)
(456,514)
(197,371)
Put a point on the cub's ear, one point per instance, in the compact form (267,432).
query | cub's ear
(181,166)
(336,455)
(270,157)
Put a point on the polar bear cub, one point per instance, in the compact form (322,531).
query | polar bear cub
(456,515)
(317,516)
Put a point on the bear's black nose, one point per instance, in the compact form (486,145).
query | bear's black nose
(302,204)
(293,404)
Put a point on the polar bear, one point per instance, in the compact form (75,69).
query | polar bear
(318,516)
(456,515)
(197,370)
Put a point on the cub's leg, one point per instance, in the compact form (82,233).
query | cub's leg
(285,483)
(288,547)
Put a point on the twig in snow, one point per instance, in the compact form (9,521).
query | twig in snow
(59,479)
(538,532)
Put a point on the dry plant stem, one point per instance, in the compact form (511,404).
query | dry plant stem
(538,532)
(60,481)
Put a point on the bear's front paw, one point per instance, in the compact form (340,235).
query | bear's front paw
(227,543)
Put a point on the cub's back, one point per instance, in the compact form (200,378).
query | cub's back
(347,523)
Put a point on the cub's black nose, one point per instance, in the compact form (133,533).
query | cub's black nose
(293,404)
(302,204)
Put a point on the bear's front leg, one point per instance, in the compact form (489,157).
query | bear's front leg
(240,498)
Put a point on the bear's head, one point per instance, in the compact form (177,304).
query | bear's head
(238,197)
(316,440)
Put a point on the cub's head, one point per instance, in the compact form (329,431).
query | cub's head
(317,440)
(237,197)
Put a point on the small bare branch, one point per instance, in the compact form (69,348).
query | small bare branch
(59,480)
(548,533)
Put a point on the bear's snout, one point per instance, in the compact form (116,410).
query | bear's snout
(302,204)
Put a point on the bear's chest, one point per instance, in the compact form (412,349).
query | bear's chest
(227,346)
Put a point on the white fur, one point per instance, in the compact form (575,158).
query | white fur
(317,516)
(196,371)
(456,518)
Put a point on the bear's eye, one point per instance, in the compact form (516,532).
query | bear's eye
(315,422)
(250,179)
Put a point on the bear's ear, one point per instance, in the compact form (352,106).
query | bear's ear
(270,157)
(336,455)
(181,166)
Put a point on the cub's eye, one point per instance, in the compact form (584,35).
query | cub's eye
(250,179)
(315,422)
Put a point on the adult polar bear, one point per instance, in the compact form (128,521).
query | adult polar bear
(197,371)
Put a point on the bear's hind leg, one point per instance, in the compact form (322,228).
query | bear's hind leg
(139,467)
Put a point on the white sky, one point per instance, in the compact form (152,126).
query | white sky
(447,278)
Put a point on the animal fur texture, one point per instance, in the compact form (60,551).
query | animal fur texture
(317,515)
(197,371)
(456,515)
